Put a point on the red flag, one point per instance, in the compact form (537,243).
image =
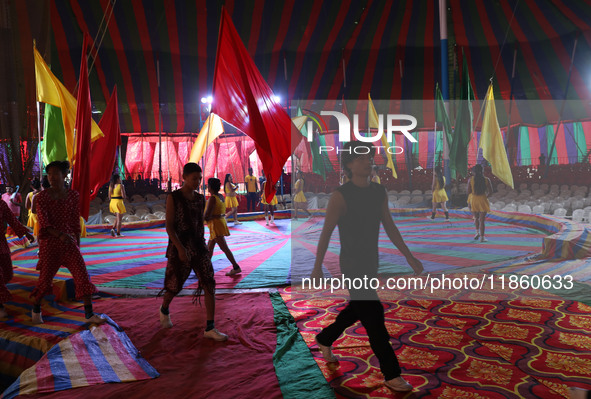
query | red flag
(82,128)
(242,98)
(104,151)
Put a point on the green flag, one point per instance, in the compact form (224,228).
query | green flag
(53,147)
(317,160)
(441,116)
(120,164)
(458,153)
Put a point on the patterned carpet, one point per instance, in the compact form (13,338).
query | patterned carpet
(458,344)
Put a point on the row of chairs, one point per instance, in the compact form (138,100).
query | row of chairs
(545,187)
(136,198)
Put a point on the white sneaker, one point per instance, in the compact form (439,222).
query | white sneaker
(234,272)
(237,222)
(326,352)
(96,319)
(215,335)
(398,384)
(36,318)
(3,313)
(165,321)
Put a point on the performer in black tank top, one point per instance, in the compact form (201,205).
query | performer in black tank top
(358,207)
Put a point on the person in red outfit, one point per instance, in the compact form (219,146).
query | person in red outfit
(58,211)
(6,216)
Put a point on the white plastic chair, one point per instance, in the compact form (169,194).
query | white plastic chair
(544,187)
(524,209)
(578,215)
(510,208)
(322,202)
(151,197)
(109,219)
(560,212)
(405,192)
(501,187)
(523,186)
(417,192)
(404,200)
(535,186)
(564,187)
(416,199)
(538,209)
(137,198)
(162,196)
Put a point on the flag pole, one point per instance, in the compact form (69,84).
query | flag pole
(39,138)
(570,71)
(159,125)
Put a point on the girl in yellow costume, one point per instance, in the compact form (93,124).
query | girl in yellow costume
(116,205)
(32,220)
(439,194)
(479,189)
(231,201)
(216,222)
(269,207)
(300,201)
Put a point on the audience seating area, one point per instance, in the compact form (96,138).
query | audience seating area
(564,200)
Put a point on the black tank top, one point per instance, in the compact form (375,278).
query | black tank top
(359,228)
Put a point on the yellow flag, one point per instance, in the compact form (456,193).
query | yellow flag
(491,141)
(51,91)
(374,122)
(205,138)
(299,121)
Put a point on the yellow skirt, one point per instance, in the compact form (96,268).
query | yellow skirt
(231,202)
(117,206)
(273,201)
(300,197)
(218,228)
(439,196)
(479,203)
(33,223)
(82,227)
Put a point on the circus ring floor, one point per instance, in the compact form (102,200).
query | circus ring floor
(486,342)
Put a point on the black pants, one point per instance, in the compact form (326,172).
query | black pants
(371,315)
(251,198)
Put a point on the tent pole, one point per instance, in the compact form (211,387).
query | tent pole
(159,126)
(570,71)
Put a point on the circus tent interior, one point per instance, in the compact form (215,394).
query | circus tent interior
(514,319)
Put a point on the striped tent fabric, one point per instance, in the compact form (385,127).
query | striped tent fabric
(102,354)
(321,49)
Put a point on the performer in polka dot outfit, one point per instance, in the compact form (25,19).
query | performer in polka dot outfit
(58,212)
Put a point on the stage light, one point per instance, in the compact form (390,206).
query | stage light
(277,99)
(209,99)
(203,100)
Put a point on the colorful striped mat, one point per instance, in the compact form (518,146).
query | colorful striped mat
(22,343)
(102,354)
(275,255)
